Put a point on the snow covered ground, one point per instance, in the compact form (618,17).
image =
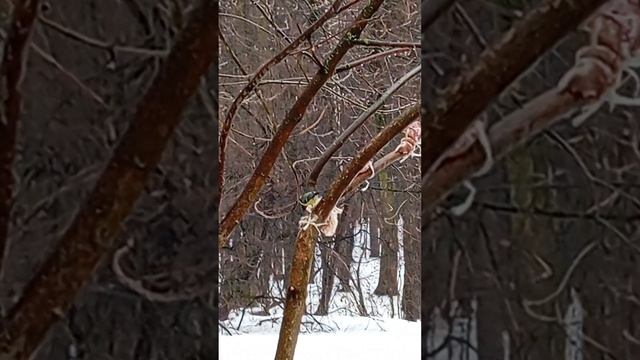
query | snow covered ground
(348,338)
(343,334)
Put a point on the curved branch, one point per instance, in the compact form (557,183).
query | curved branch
(305,242)
(498,67)
(255,79)
(293,117)
(94,230)
(337,143)
(587,85)
(407,145)
(512,131)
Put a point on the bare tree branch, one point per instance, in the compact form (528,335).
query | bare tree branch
(293,117)
(255,79)
(592,80)
(498,67)
(93,232)
(306,239)
(337,143)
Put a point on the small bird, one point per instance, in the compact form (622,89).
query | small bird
(310,200)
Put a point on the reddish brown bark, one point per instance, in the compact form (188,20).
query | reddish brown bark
(293,117)
(306,239)
(357,123)
(588,83)
(498,67)
(93,231)
(253,82)
(406,147)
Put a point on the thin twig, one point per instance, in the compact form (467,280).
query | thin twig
(337,143)
(255,79)
(103,45)
(51,60)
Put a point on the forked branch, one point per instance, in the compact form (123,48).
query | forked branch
(592,81)
(294,116)
(306,239)
(259,74)
(337,143)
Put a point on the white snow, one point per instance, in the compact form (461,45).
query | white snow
(352,338)
(344,333)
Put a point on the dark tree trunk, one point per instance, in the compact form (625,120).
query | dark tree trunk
(388,279)
(437,253)
(375,238)
(535,247)
(327,279)
(411,287)
(491,315)
(374,229)
(344,251)
(278,261)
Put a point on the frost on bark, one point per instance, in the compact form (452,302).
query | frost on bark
(93,232)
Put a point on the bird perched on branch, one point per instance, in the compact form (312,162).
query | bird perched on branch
(310,200)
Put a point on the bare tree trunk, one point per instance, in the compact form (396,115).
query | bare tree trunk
(374,240)
(411,287)
(436,264)
(344,252)
(352,176)
(278,263)
(293,117)
(327,280)
(374,229)
(331,261)
(492,316)
(388,278)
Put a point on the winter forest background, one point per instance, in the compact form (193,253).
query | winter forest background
(365,286)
